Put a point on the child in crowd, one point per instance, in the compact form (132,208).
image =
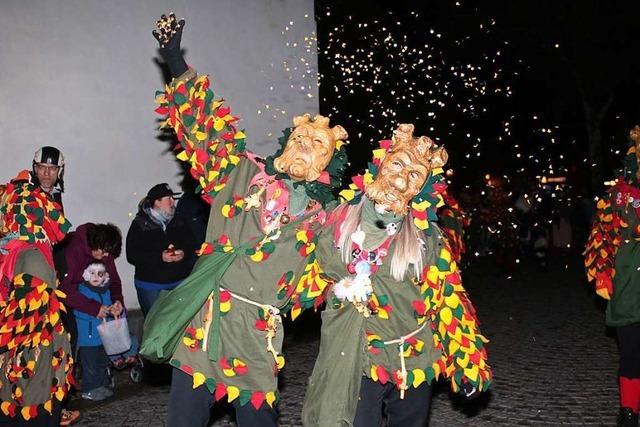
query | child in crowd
(93,358)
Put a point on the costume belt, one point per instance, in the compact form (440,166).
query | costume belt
(272,317)
(403,368)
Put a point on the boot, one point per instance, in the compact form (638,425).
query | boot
(627,418)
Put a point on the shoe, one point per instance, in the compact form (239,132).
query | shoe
(627,418)
(97,394)
(68,417)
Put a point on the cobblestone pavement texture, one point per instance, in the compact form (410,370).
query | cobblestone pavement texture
(554,361)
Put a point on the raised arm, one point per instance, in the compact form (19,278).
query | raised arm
(205,129)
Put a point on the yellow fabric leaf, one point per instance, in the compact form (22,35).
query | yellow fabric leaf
(25,413)
(232,393)
(218,124)
(280,362)
(348,195)
(446,315)
(183,156)
(472,373)
(198,379)
(374,373)
(5,407)
(270,397)
(464,361)
(418,377)
(239,135)
(604,293)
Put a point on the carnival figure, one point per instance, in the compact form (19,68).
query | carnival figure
(397,317)
(35,354)
(612,260)
(220,327)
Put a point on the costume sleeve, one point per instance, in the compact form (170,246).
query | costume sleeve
(205,129)
(309,289)
(454,325)
(31,314)
(602,247)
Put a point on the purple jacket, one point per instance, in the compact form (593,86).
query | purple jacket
(78,256)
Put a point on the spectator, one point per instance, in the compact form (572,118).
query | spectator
(94,359)
(160,246)
(101,242)
(48,171)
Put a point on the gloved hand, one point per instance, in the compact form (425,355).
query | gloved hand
(469,391)
(168,32)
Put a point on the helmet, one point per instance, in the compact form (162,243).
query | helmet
(51,156)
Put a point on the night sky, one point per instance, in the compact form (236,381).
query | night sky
(512,89)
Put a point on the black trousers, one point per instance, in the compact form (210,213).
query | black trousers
(378,401)
(190,407)
(94,362)
(629,349)
(42,420)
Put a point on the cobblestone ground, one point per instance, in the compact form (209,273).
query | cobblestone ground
(554,362)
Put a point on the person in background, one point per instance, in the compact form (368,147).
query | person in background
(612,261)
(99,242)
(94,359)
(160,246)
(47,172)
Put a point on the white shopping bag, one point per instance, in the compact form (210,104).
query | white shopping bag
(115,335)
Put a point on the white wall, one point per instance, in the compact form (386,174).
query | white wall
(80,75)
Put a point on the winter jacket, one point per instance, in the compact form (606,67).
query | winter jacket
(78,256)
(146,240)
(88,324)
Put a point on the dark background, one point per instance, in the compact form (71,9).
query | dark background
(512,89)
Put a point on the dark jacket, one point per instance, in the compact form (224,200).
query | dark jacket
(78,256)
(146,240)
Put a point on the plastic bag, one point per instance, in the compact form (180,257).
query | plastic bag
(115,335)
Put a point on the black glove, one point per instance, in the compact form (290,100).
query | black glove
(168,32)
(469,390)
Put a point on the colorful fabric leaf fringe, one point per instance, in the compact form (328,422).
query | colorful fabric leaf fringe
(205,130)
(602,247)
(454,325)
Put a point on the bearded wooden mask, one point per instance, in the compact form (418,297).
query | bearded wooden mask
(309,148)
(634,134)
(404,170)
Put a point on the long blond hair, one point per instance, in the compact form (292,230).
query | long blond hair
(409,246)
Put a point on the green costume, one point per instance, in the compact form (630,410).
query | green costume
(35,353)
(221,324)
(613,251)
(402,332)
